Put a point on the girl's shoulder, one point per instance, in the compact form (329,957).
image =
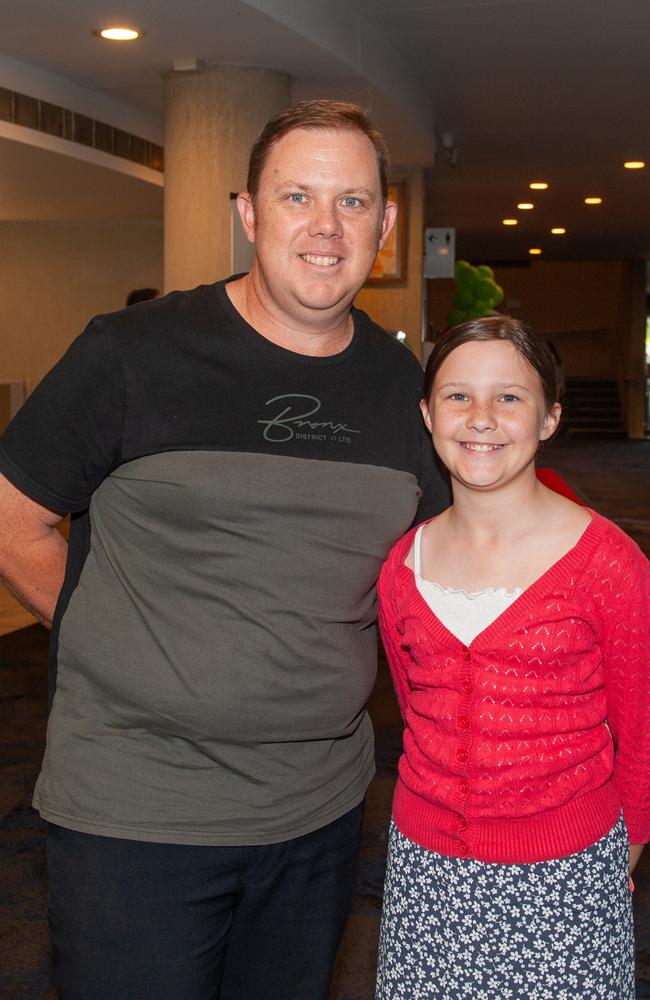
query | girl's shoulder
(615,550)
(402,546)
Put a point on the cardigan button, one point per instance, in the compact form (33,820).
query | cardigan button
(467,655)
(462,824)
(463,849)
(463,721)
(463,784)
(462,754)
(466,687)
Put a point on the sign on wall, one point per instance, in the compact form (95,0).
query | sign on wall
(439,252)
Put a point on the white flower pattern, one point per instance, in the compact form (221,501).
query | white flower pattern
(458,929)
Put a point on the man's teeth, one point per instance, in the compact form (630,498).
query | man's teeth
(321,261)
(480,447)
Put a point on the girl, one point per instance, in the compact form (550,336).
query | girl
(516,628)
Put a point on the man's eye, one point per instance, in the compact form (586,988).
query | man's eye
(297,198)
(351,202)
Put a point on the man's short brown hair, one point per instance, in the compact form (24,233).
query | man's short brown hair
(313,115)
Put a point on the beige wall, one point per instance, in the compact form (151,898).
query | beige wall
(399,307)
(592,310)
(57,276)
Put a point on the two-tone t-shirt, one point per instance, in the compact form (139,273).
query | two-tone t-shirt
(214,644)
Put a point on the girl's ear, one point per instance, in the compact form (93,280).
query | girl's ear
(424,407)
(551,420)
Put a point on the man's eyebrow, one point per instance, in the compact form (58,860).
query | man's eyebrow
(346,192)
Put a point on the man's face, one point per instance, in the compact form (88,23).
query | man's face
(317,222)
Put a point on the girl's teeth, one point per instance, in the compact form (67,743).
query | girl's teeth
(482,447)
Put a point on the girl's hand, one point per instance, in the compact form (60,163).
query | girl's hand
(635,853)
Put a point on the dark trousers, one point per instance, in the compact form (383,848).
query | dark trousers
(142,921)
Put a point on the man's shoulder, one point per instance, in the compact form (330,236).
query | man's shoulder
(385,346)
(180,307)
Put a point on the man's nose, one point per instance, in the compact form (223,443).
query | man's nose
(324,221)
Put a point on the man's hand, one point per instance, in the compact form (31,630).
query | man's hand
(32,552)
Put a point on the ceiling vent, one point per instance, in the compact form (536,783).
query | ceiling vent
(19,109)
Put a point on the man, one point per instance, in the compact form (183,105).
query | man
(236,472)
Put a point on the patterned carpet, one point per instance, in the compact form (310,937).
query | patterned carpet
(614,481)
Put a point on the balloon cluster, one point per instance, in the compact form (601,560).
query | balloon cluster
(477,293)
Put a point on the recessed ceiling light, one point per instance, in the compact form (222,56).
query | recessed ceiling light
(510,222)
(593,201)
(525,206)
(538,186)
(634,164)
(118,34)
(535,251)
(558,231)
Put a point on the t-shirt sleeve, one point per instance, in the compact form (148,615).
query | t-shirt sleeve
(67,436)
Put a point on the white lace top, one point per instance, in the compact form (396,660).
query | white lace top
(464,615)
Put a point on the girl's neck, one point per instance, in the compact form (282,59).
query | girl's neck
(498,515)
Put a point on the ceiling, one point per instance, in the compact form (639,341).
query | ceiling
(525,89)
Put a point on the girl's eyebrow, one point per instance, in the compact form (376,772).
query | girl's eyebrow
(499,385)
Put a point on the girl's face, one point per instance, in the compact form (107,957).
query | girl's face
(487,414)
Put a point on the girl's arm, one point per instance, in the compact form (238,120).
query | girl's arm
(636,850)
(624,599)
(391,638)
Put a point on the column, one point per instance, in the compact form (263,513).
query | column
(212,117)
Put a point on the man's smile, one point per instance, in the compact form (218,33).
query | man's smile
(321,260)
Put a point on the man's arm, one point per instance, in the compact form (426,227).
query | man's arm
(32,552)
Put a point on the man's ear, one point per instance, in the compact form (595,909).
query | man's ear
(247,214)
(390,215)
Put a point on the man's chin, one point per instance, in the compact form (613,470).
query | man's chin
(325,297)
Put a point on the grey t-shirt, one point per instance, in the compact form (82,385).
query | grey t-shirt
(215,643)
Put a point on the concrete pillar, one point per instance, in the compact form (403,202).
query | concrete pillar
(212,117)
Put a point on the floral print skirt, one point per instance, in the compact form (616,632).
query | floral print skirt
(458,929)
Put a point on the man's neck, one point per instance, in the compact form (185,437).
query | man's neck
(330,336)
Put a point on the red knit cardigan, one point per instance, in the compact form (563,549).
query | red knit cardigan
(525,745)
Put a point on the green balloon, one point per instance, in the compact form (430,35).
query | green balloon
(485,289)
(460,266)
(468,277)
(482,307)
(485,271)
(456,316)
(464,297)
(498,296)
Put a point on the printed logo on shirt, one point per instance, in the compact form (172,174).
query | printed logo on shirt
(290,416)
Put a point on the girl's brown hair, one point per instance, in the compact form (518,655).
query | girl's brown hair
(529,344)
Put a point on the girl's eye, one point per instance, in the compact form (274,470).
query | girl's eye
(458,395)
(508,397)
